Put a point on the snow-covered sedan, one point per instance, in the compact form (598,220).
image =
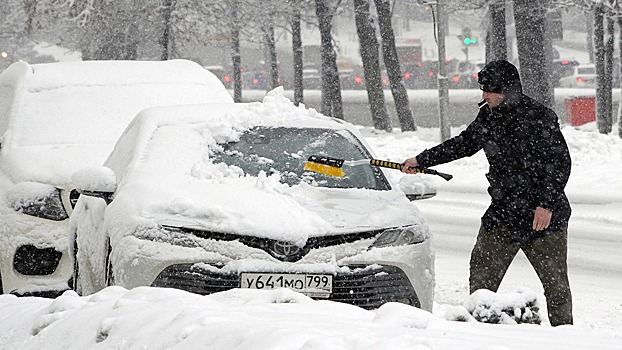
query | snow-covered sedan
(207,198)
(56,118)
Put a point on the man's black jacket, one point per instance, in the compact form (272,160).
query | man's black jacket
(529,163)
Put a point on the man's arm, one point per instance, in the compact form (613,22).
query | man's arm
(551,162)
(466,144)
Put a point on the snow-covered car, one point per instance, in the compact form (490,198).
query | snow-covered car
(55,119)
(582,76)
(210,198)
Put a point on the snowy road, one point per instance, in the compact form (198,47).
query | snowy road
(595,267)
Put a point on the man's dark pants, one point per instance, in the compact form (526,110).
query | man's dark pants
(494,251)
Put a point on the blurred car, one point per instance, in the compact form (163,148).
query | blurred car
(562,68)
(255,80)
(583,76)
(210,198)
(54,119)
(311,77)
(466,75)
(422,75)
(225,77)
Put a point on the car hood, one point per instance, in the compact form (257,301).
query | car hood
(272,210)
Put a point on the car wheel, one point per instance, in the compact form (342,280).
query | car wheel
(109,274)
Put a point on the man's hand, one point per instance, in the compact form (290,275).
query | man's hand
(541,219)
(408,163)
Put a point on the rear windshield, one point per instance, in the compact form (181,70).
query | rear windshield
(587,70)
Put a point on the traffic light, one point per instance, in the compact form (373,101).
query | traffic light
(467,37)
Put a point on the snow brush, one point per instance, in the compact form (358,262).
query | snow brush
(333,166)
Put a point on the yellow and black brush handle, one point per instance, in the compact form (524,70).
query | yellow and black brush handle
(332,166)
(400,166)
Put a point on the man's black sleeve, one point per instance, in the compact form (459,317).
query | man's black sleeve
(466,144)
(550,160)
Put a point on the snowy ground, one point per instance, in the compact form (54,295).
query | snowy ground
(151,318)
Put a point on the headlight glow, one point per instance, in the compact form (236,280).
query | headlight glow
(399,236)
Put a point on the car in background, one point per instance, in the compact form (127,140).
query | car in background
(55,119)
(207,198)
(562,68)
(582,76)
(225,76)
(311,77)
(466,75)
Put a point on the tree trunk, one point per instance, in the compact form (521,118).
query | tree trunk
(603,112)
(392,64)
(371,65)
(331,92)
(273,69)
(620,82)
(166,33)
(497,46)
(236,57)
(297,57)
(590,35)
(530,21)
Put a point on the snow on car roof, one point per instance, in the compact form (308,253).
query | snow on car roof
(61,116)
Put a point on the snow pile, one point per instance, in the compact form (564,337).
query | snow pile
(508,308)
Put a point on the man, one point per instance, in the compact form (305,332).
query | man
(529,165)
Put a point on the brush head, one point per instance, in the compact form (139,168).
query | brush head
(323,169)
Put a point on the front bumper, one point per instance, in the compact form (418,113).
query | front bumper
(33,260)
(365,286)
(362,275)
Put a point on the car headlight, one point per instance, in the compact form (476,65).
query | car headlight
(400,236)
(37,199)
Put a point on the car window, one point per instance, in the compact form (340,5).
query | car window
(285,150)
(586,70)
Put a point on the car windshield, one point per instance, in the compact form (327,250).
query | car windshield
(285,151)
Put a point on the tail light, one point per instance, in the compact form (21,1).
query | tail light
(385,80)
(227,78)
(358,80)
(255,81)
(580,80)
(455,78)
(430,73)
(406,75)
(474,75)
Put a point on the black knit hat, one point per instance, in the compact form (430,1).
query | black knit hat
(500,77)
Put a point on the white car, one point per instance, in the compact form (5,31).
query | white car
(581,76)
(55,119)
(210,198)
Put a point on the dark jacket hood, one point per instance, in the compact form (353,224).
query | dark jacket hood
(500,77)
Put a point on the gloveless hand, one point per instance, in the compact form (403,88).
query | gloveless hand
(541,219)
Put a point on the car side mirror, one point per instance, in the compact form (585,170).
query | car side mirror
(97,181)
(416,188)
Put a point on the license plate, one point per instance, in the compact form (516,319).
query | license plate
(312,285)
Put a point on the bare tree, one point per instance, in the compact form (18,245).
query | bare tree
(368,44)
(297,56)
(392,64)
(496,41)
(331,93)
(530,21)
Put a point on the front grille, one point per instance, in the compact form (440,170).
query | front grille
(265,244)
(367,288)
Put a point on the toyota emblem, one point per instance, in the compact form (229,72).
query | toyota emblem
(283,249)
